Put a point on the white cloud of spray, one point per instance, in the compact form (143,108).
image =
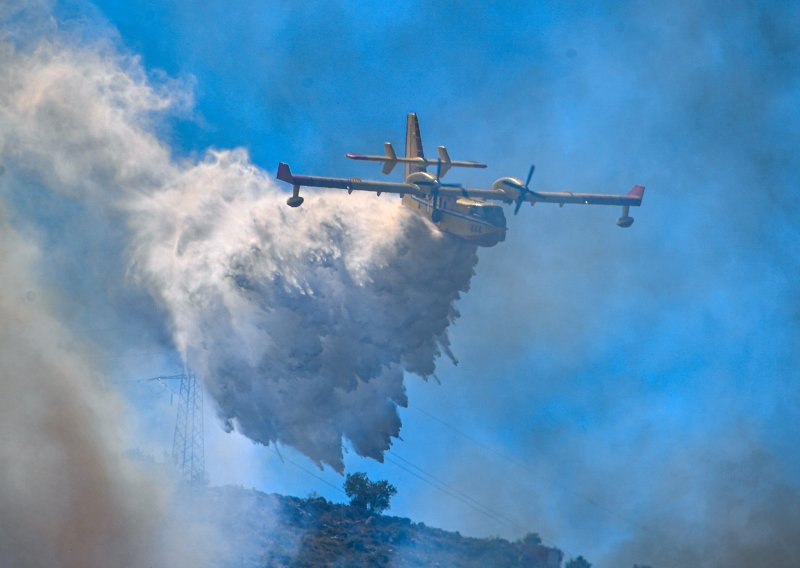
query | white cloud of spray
(300,323)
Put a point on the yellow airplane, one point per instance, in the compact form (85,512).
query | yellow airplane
(466,213)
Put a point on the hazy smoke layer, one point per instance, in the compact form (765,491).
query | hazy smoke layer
(300,322)
(67,497)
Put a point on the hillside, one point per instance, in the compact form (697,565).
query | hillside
(266,530)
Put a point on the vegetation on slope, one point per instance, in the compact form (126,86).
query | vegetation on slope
(262,530)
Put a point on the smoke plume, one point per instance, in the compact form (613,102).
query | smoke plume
(67,495)
(301,323)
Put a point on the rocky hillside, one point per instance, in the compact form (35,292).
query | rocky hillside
(261,530)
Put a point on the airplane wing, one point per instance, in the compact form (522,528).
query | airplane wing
(350,184)
(507,190)
(522,194)
(632,198)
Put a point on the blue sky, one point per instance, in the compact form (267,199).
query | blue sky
(638,375)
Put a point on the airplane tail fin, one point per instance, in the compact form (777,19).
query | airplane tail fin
(414,159)
(413,144)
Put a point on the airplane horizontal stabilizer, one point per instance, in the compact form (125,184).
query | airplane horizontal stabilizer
(391,158)
(444,161)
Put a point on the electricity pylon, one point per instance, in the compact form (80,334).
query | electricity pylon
(188,451)
(187,444)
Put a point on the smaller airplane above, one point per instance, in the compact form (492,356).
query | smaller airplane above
(466,213)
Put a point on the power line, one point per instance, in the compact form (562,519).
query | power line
(467,497)
(608,511)
(473,440)
(435,482)
(312,474)
(428,478)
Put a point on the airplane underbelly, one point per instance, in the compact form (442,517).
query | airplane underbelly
(459,225)
(485,238)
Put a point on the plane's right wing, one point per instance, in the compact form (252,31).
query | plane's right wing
(350,184)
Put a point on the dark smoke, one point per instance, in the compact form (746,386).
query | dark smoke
(68,497)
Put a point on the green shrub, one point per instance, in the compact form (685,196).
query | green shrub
(366,495)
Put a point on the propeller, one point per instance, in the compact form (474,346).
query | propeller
(435,184)
(523,189)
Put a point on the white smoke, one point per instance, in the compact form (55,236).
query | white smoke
(301,323)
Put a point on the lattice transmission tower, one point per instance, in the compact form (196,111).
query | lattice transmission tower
(188,452)
(187,444)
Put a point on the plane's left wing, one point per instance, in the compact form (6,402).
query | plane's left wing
(350,184)
(632,198)
(521,194)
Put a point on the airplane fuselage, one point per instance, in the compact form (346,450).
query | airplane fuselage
(473,220)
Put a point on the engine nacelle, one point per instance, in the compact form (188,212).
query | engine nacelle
(295,201)
(512,193)
(421,176)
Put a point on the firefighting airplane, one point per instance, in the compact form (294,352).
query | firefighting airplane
(465,213)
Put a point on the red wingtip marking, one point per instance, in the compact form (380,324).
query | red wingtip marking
(637,191)
(284,173)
